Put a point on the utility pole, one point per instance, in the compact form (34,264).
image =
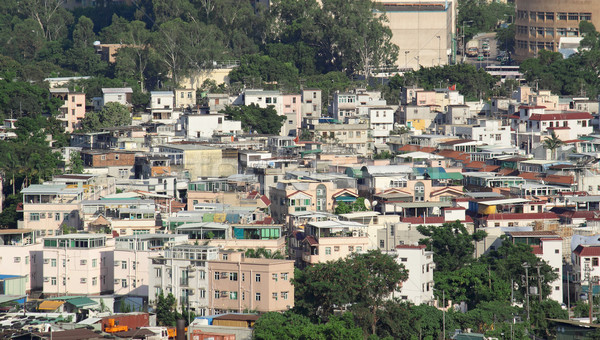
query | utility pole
(444,315)
(539,279)
(527,266)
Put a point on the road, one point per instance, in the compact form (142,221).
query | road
(491,60)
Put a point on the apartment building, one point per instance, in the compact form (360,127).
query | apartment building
(540,24)
(205,126)
(182,270)
(77,264)
(132,260)
(161,106)
(332,240)
(418,288)
(47,207)
(73,109)
(199,160)
(124,216)
(185,99)
(119,95)
(21,255)
(311,104)
(238,284)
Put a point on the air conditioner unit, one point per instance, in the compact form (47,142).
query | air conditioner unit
(224,294)
(355,233)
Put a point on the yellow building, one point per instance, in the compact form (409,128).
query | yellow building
(200,160)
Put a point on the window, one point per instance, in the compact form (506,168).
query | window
(573,16)
(557,288)
(233,276)
(217,294)
(57,216)
(257,297)
(233,295)
(359,248)
(124,265)
(257,277)
(53,262)
(217,275)
(594,262)
(225,257)
(268,100)
(556,251)
(124,283)
(403,259)
(284,295)
(336,248)
(350,248)
(202,275)
(83,280)
(94,281)
(202,293)
(327,250)
(83,262)
(275,276)
(17,260)
(53,281)
(275,296)
(284,276)
(34,216)
(562,16)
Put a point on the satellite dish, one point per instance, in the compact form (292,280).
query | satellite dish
(367,204)
(374,203)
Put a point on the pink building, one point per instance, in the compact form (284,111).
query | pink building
(292,109)
(332,240)
(73,109)
(47,207)
(77,264)
(20,255)
(238,283)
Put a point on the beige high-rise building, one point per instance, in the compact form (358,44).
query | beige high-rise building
(423,30)
(540,24)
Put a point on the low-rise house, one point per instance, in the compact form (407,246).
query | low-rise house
(205,126)
(185,99)
(121,216)
(199,160)
(48,207)
(118,164)
(119,95)
(21,255)
(77,264)
(161,106)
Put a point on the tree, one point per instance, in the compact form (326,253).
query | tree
(360,282)
(83,34)
(75,163)
(254,118)
(290,326)
(261,252)
(50,16)
(112,114)
(451,244)
(166,310)
(552,143)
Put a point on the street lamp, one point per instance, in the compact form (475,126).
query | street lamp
(439,49)
(463,36)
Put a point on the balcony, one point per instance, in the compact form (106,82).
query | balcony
(184,281)
(312,259)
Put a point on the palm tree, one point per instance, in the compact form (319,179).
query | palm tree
(553,143)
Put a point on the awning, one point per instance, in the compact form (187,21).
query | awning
(50,305)
(454,175)
(82,302)
(345,199)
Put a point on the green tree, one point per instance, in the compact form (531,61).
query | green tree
(261,252)
(255,118)
(83,33)
(112,114)
(75,163)
(290,326)
(452,245)
(166,310)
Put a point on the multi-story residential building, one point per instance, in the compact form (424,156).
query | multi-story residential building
(292,109)
(540,24)
(185,99)
(21,255)
(73,109)
(217,102)
(123,216)
(306,195)
(490,132)
(77,264)
(238,284)
(48,207)
(118,164)
(264,99)
(381,122)
(416,117)
(119,95)
(355,136)
(418,288)
(533,124)
(332,240)
(311,104)
(132,261)
(182,270)
(161,106)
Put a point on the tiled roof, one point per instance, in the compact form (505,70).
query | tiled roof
(412,148)
(587,250)
(311,240)
(561,116)
(537,250)
(521,216)
(408,246)
(558,179)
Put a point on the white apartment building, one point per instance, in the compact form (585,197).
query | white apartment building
(204,126)
(120,95)
(381,121)
(161,106)
(132,260)
(183,271)
(418,288)
(77,264)
(490,132)
(264,99)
